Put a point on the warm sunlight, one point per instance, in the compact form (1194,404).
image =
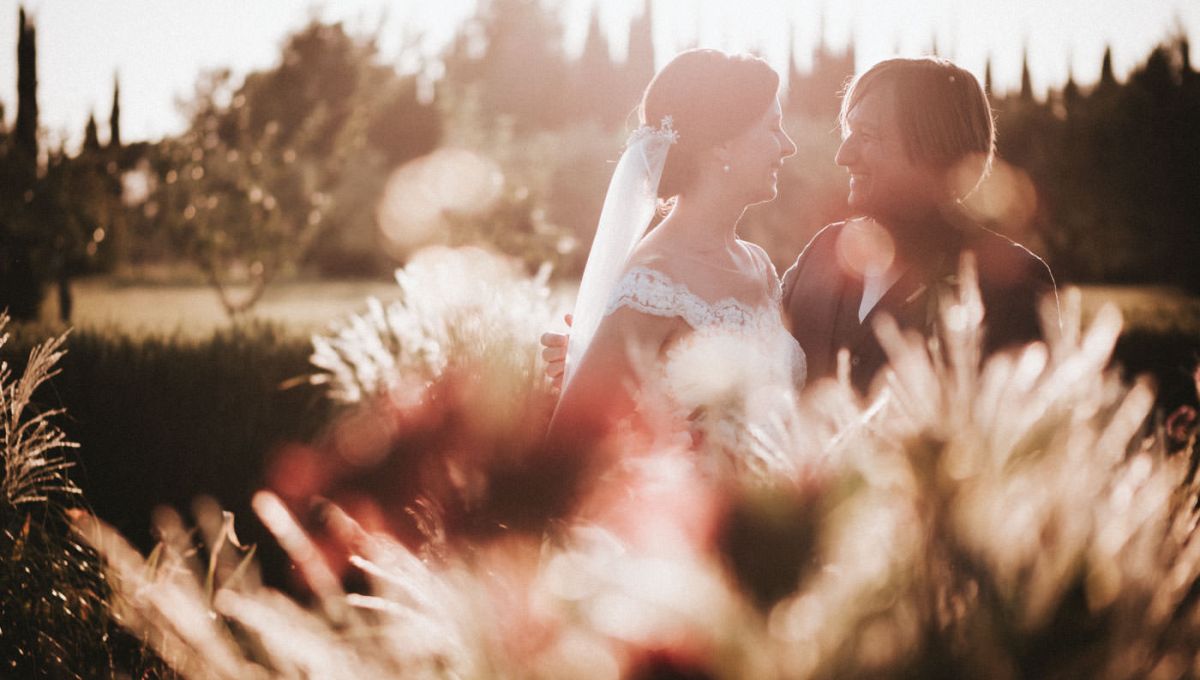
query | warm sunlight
(159,55)
(613,339)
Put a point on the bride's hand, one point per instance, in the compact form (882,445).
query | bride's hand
(554,351)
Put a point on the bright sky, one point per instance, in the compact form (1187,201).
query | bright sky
(159,48)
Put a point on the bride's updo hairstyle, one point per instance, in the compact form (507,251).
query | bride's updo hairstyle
(711,97)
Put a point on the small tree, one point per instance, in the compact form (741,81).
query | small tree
(272,166)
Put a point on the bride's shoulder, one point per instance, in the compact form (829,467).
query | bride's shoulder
(653,266)
(651,288)
(650,258)
(767,269)
(759,254)
(641,278)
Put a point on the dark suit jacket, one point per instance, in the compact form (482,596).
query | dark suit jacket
(821,297)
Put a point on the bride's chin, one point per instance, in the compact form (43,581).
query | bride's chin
(766,197)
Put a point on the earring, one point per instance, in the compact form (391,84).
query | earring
(726,168)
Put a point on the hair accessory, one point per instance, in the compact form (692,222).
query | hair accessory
(665,131)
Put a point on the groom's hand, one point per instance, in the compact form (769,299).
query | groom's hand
(554,351)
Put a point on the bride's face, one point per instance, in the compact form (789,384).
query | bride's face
(755,156)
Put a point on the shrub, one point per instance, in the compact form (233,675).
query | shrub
(162,419)
(54,616)
(998,518)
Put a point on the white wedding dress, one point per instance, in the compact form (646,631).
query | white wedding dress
(731,382)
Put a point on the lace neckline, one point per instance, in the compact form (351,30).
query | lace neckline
(653,292)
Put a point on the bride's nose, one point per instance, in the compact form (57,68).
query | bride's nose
(788,147)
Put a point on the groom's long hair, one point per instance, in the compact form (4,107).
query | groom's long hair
(943,111)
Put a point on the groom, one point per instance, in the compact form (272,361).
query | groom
(917,136)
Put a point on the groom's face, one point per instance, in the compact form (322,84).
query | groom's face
(884,182)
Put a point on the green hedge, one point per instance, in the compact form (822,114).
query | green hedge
(162,419)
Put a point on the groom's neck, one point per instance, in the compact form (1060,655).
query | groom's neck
(925,235)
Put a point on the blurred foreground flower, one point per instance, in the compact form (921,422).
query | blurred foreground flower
(1002,517)
(1008,518)
(462,308)
(446,400)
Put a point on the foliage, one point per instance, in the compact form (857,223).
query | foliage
(287,169)
(34,469)
(511,54)
(163,418)
(53,212)
(458,310)
(273,172)
(999,518)
(21,268)
(48,580)
(1115,170)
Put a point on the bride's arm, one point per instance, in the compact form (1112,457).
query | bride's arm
(624,351)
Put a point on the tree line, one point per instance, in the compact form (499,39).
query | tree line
(283,171)
(1117,169)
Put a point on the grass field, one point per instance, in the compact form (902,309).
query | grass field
(1156,309)
(193,310)
(1010,522)
(169,401)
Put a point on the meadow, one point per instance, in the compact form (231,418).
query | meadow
(193,310)
(1161,333)
(1020,518)
(171,399)
(307,306)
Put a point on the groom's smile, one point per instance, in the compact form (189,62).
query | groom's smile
(859,183)
(885,182)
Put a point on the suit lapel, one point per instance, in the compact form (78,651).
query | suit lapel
(848,330)
(905,302)
(815,309)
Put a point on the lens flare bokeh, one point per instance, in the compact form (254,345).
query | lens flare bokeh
(421,196)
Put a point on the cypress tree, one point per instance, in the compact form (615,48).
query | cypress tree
(114,118)
(1107,79)
(597,96)
(25,134)
(91,140)
(795,98)
(1071,94)
(20,285)
(1187,73)
(639,61)
(1026,80)
(818,92)
(595,45)
(523,71)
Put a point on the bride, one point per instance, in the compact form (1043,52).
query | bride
(659,314)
